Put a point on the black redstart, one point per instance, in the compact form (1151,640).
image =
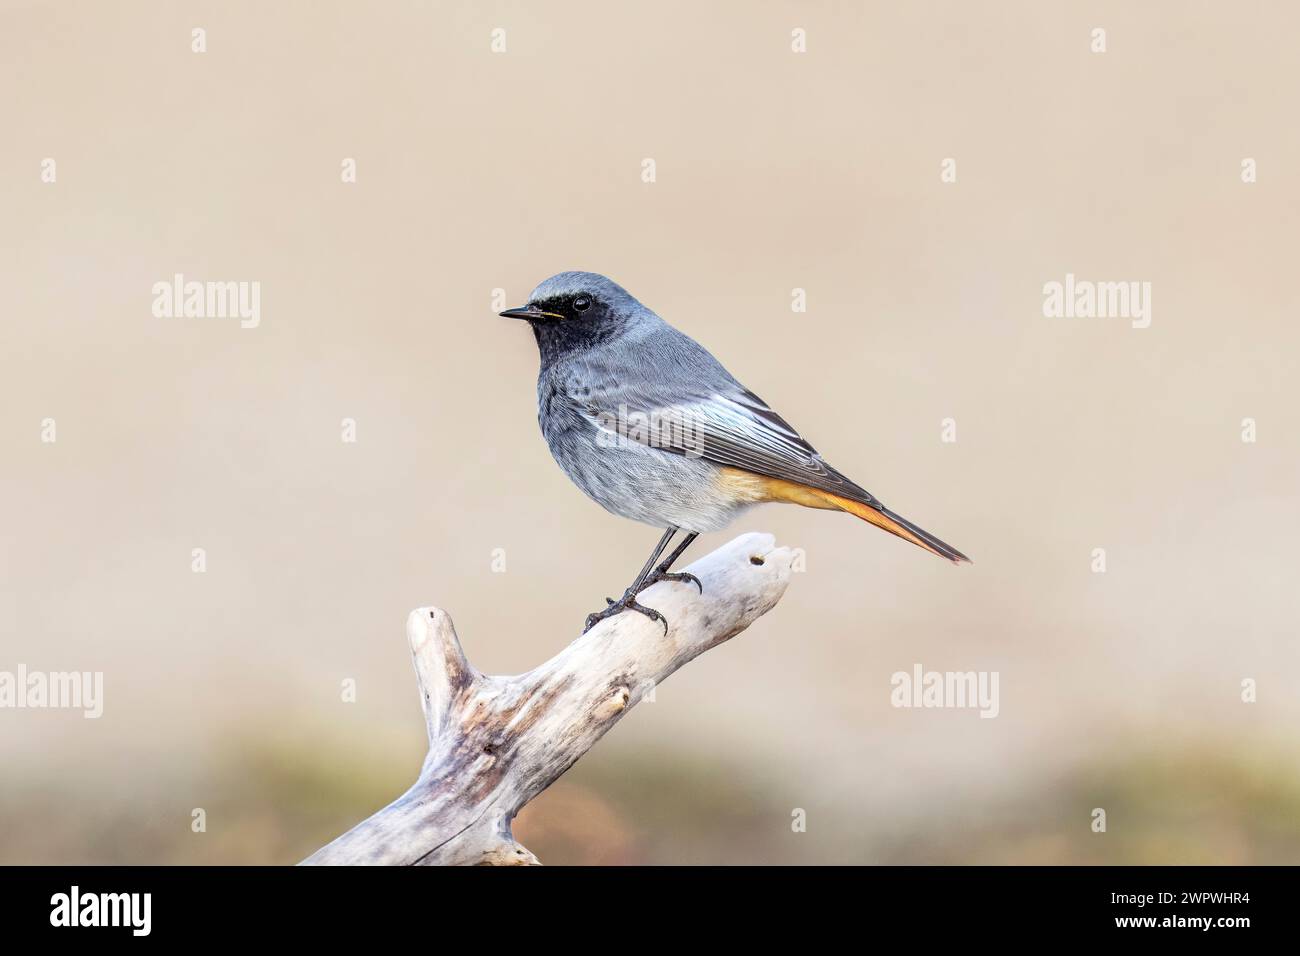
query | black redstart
(651,426)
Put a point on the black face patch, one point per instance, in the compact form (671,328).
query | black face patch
(575,306)
(580,328)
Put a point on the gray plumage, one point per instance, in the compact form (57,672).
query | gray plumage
(645,420)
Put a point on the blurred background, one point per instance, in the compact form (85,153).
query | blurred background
(774,170)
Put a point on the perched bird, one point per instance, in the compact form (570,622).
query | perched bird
(651,426)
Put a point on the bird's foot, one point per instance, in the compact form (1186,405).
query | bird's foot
(658,574)
(627,603)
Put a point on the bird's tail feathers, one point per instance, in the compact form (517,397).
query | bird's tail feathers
(752,487)
(882,517)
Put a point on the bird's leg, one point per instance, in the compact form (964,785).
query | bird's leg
(662,573)
(628,601)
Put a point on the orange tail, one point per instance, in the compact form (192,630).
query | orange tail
(897,524)
(752,487)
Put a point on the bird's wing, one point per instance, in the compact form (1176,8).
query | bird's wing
(676,397)
(726,424)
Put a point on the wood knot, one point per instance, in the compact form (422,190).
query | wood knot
(614,705)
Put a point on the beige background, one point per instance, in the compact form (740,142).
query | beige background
(775,170)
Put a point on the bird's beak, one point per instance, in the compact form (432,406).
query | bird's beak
(529,312)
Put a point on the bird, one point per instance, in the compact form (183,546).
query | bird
(649,425)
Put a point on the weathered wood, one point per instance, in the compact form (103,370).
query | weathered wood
(497,742)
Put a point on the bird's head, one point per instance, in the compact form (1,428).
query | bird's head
(576,310)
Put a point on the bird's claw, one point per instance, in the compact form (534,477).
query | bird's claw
(627,603)
(657,575)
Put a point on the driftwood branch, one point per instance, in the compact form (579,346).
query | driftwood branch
(495,743)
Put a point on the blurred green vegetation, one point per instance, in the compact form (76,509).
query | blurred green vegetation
(276,799)
(1199,804)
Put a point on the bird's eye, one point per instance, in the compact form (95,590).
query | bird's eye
(580,303)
